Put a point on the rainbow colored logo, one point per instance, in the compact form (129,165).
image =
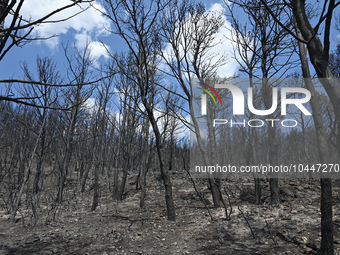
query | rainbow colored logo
(208,92)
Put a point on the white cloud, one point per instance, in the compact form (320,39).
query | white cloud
(87,25)
(223,48)
(90,105)
(97,48)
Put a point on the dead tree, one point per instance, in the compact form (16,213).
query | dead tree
(260,44)
(188,33)
(137,23)
(306,34)
(18,33)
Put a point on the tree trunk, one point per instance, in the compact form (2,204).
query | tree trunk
(327,246)
(215,189)
(142,185)
(267,99)
(274,190)
(143,171)
(254,160)
(40,162)
(85,175)
(257,191)
(164,174)
(95,200)
(3,6)
(123,183)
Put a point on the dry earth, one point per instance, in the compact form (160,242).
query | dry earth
(293,227)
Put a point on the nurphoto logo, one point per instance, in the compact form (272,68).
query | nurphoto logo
(239,122)
(238,105)
(238,99)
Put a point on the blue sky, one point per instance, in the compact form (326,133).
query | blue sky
(88,26)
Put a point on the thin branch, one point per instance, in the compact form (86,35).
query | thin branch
(281,24)
(239,208)
(20,101)
(42,20)
(55,85)
(197,191)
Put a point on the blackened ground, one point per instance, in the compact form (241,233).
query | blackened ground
(292,227)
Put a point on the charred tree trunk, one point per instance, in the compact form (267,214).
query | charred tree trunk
(327,246)
(95,200)
(164,174)
(40,162)
(123,182)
